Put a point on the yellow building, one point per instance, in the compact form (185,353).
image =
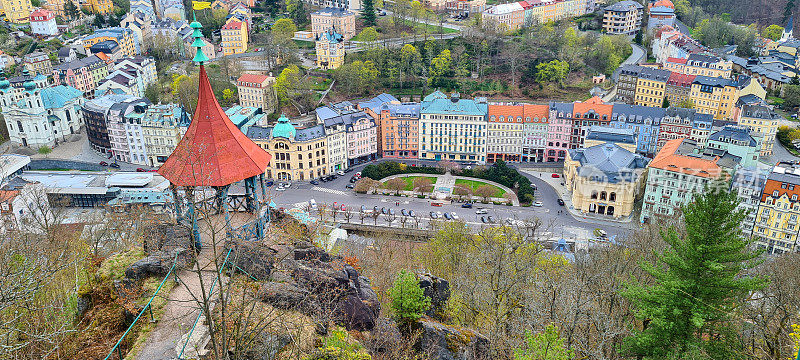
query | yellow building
(776,226)
(17,11)
(298,154)
(604,179)
(717,96)
(57,7)
(700,65)
(122,36)
(99,6)
(752,112)
(330,50)
(234,37)
(651,87)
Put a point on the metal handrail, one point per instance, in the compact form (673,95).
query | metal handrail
(116,346)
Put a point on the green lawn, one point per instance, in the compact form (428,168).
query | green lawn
(410,181)
(428,27)
(304,44)
(475,184)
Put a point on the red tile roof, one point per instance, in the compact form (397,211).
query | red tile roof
(214,152)
(252,78)
(676,60)
(41,14)
(233,25)
(596,104)
(679,79)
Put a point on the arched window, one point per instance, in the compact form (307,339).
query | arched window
(594,194)
(612,196)
(603,195)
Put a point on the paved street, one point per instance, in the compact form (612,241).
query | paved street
(559,224)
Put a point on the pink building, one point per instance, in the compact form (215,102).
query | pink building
(82,74)
(559,131)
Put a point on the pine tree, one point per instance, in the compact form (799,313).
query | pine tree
(697,284)
(368,12)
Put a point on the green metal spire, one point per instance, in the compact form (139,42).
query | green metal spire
(199,57)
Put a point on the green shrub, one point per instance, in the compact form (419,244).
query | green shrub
(408,300)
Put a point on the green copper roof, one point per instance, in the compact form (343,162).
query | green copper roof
(199,56)
(284,128)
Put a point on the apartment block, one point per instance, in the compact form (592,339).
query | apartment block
(452,128)
(257,91)
(341,20)
(776,228)
(623,18)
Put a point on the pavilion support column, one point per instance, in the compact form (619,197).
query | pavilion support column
(253,205)
(264,196)
(221,198)
(198,243)
(176,202)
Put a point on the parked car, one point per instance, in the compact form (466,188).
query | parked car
(391,211)
(439,213)
(538,204)
(103,163)
(374,209)
(433,215)
(140,170)
(363,208)
(114,165)
(270,183)
(490,219)
(448,216)
(280,188)
(455,217)
(350,186)
(483,219)
(384,211)
(324,179)
(481,211)
(466,205)
(348,170)
(353,179)
(403,212)
(561,202)
(412,213)
(555,176)
(340,173)
(314,182)
(287,184)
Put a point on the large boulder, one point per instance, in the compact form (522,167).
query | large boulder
(159,263)
(285,296)
(353,314)
(150,266)
(445,342)
(438,290)
(254,258)
(384,338)
(319,285)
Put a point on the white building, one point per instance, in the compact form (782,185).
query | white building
(37,117)
(43,23)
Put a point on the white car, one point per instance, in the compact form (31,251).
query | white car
(538,204)
(481,211)
(280,188)
(455,217)
(340,173)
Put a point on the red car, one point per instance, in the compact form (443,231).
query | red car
(140,170)
(154,170)
(555,176)
(103,163)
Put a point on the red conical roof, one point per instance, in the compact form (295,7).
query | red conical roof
(213,152)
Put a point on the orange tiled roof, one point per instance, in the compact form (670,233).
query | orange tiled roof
(774,185)
(8,195)
(252,78)
(540,112)
(596,104)
(505,111)
(667,159)
(676,60)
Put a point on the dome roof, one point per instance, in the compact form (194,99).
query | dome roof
(29,85)
(284,128)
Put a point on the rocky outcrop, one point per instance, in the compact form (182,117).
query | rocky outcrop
(159,263)
(307,279)
(251,257)
(445,342)
(165,237)
(438,290)
(384,338)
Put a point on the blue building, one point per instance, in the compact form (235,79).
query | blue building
(644,121)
